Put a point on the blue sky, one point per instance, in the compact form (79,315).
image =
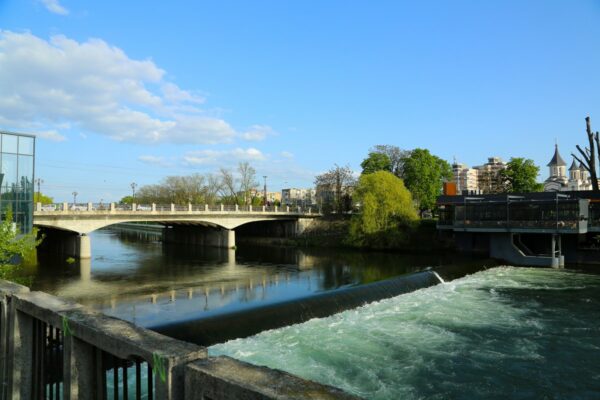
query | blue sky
(134,91)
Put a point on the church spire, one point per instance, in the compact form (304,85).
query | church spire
(557,160)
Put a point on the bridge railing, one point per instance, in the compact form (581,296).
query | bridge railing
(177,208)
(52,348)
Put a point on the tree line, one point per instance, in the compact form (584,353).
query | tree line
(225,187)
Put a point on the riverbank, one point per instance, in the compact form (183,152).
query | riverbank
(333,232)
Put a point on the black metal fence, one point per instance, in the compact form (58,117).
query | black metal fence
(125,379)
(47,361)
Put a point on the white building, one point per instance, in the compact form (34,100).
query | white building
(300,197)
(465,178)
(558,181)
(479,179)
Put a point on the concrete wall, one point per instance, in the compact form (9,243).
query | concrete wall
(86,333)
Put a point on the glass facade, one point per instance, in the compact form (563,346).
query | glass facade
(17,153)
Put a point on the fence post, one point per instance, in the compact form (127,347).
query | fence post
(153,207)
(189,207)
(112,207)
(65,207)
(20,355)
(237,208)
(264,208)
(172,207)
(276,208)
(287,209)
(90,207)
(133,207)
(38,206)
(80,369)
(250,208)
(206,207)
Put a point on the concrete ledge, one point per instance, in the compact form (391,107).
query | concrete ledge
(10,288)
(43,306)
(124,339)
(227,379)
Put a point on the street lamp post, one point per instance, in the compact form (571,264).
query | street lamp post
(39,184)
(265,201)
(133,186)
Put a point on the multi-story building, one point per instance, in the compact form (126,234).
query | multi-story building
(466,178)
(273,197)
(301,197)
(479,179)
(558,181)
(487,175)
(17,153)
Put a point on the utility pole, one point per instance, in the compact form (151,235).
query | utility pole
(265,201)
(39,182)
(75,197)
(133,186)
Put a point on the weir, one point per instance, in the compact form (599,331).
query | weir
(216,329)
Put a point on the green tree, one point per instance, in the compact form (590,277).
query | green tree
(520,176)
(424,175)
(14,247)
(126,200)
(396,156)
(41,198)
(376,162)
(386,211)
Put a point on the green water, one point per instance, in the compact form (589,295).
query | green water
(502,333)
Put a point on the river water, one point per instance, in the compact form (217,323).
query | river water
(502,333)
(134,276)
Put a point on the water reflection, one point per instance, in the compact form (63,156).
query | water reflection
(134,276)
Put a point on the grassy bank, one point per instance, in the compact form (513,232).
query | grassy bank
(333,232)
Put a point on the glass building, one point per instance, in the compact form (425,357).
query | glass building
(17,153)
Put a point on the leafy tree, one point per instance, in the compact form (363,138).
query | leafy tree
(386,211)
(396,156)
(376,162)
(520,176)
(14,247)
(126,200)
(424,175)
(41,198)
(334,189)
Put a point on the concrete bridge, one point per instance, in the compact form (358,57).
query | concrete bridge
(68,226)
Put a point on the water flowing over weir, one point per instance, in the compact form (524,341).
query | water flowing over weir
(240,324)
(501,333)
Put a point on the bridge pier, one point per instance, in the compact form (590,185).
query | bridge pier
(68,244)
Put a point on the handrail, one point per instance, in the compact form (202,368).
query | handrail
(117,208)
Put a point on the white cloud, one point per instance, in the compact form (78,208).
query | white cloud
(54,7)
(96,88)
(51,135)
(154,160)
(257,133)
(286,154)
(222,157)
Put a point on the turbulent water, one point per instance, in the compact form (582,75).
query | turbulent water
(502,333)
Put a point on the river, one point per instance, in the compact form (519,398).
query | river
(134,276)
(504,332)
